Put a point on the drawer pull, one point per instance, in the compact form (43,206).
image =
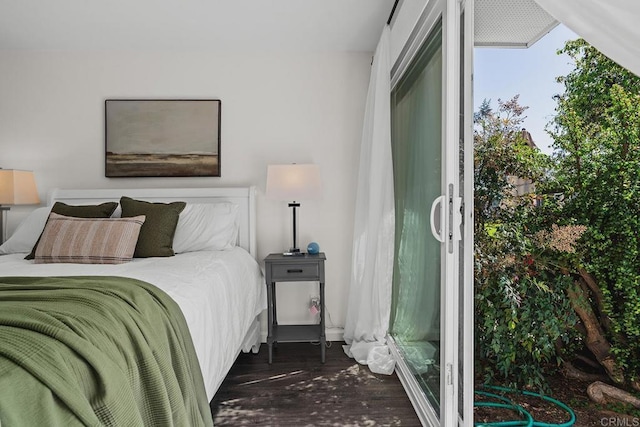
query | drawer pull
(294,270)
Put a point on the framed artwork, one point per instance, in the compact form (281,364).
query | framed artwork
(162,137)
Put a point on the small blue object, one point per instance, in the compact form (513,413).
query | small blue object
(313,248)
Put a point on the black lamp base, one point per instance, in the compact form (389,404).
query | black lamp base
(294,251)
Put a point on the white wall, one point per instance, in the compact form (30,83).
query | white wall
(276,108)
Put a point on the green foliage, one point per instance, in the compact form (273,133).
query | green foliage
(520,289)
(586,88)
(526,256)
(597,170)
(501,151)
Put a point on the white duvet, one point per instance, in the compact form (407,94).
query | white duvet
(220,294)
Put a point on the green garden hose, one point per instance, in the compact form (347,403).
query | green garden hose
(506,403)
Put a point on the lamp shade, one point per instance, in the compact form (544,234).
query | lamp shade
(18,188)
(293,182)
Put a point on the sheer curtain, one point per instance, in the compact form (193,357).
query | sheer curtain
(610,26)
(417,157)
(369,303)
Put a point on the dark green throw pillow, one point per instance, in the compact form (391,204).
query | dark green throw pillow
(103,210)
(156,234)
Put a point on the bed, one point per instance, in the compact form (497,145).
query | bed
(219,292)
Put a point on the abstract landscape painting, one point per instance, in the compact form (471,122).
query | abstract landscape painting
(159,138)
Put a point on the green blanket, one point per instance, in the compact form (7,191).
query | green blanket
(96,351)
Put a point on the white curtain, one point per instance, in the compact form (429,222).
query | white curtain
(369,304)
(610,26)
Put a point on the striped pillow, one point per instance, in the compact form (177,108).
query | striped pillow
(88,240)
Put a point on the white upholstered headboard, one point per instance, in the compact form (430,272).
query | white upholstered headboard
(244,197)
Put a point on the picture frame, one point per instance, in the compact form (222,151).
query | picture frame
(162,137)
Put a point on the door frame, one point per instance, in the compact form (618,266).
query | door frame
(467,287)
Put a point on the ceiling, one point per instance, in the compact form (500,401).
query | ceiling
(216,25)
(239,25)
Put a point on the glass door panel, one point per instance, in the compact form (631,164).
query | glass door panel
(416,127)
(432,312)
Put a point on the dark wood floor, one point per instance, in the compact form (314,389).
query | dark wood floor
(298,390)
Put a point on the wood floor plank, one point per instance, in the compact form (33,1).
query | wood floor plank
(298,390)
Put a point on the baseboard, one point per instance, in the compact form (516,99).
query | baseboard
(334,334)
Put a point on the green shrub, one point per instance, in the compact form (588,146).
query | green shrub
(597,169)
(524,318)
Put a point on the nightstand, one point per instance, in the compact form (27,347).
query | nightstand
(298,268)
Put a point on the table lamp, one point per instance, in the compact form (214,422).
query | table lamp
(293,183)
(17,187)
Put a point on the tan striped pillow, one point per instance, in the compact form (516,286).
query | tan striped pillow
(88,240)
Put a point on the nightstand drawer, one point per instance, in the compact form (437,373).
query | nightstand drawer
(295,271)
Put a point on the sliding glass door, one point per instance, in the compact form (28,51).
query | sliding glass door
(432,314)
(416,129)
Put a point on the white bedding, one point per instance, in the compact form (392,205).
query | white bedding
(220,294)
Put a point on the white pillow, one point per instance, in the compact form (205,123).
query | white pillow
(27,233)
(118,212)
(206,227)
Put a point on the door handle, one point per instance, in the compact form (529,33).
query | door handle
(439,235)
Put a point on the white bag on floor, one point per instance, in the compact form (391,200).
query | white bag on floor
(380,360)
